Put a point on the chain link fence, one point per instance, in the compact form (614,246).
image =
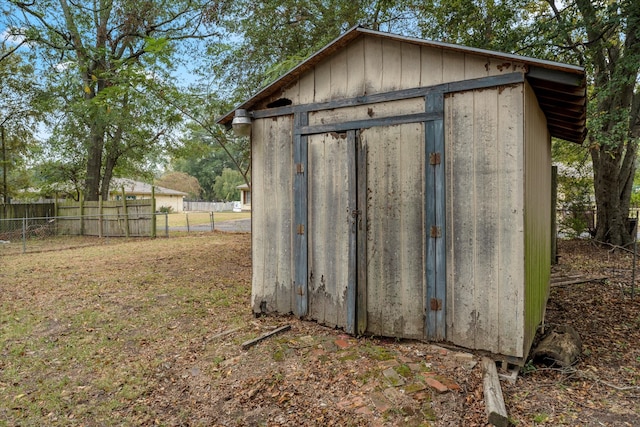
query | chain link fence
(31,232)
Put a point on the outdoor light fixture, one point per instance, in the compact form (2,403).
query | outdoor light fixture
(241,122)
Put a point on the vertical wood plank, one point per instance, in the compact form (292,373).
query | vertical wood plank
(259,291)
(411,238)
(307,87)
(511,218)
(322,82)
(329,228)
(372,64)
(270,265)
(278,185)
(371,139)
(390,199)
(316,172)
(339,74)
(511,270)
(475,66)
(431,68)
(487,238)
(461,313)
(361,176)
(391,65)
(300,283)
(284,229)
(452,66)
(355,68)
(352,272)
(411,66)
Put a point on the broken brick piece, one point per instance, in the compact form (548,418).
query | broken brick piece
(436,385)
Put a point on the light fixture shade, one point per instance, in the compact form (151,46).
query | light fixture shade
(241,123)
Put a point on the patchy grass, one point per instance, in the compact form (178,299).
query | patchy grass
(149,331)
(85,332)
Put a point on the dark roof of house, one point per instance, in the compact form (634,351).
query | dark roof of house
(560,88)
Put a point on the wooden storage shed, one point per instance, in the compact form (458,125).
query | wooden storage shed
(402,187)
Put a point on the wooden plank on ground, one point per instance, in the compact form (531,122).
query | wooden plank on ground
(250,343)
(576,281)
(493,400)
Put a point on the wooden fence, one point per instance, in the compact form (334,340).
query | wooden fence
(117,218)
(27,210)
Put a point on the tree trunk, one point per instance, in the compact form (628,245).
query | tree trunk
(94,166)
(613,130)
(113,154)
(613,182)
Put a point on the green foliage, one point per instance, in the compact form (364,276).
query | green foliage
(165,209)
(540,418)
(226,185)
(479,23)
(99,62)
(182,182)
(22,103)
(204,155)
(635,194)
(528,367)
(575,189)
(255,57)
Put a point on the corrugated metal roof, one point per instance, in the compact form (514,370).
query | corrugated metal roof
(560,88)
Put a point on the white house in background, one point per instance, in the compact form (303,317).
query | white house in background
(245,197)
(136,190)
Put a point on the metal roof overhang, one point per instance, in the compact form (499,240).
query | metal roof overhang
(560,88)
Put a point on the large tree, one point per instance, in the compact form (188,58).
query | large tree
(604,36)
(20,104)
(110,48)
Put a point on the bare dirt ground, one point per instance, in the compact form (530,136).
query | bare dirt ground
(150,332)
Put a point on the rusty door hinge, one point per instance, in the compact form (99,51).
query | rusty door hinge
(355,213)
(299,168)
(436,304)
(434,158)
(436,231)
(300,228)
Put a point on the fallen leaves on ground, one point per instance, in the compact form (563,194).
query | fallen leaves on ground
(144,332)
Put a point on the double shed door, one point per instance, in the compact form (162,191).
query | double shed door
(369,197)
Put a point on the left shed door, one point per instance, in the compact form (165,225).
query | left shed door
(332,215)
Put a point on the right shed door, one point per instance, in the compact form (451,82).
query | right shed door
(395,238)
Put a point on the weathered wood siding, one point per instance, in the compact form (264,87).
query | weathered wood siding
(372,65)
(537,237)
(485,219)
(272,216)
(329,218)
(395,230)
(484,163)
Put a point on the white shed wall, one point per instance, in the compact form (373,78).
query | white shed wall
(272,216)
(485,219)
